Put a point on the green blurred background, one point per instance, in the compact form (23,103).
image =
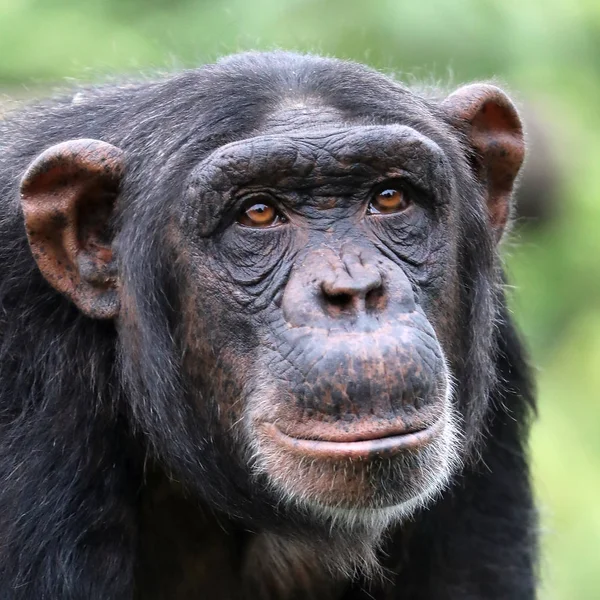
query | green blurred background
(546,52)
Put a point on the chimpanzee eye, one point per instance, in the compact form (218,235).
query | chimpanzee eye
(389,200)
(259,212)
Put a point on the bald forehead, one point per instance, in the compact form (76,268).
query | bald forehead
(301,115)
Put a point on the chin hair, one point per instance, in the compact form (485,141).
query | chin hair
(354,535)
(436,462)
(439,461)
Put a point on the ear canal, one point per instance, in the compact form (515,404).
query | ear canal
(492,126)
(67,196)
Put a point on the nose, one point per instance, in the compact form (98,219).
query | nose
(351,286)
(331,289)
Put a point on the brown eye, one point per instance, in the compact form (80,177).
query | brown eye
(390,200)
(259,214)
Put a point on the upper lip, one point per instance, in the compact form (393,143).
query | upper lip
(364,428)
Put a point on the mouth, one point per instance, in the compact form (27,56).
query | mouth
(371,446)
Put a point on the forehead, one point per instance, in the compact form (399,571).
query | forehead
(301,114)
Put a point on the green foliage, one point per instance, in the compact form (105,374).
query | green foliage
(547,50)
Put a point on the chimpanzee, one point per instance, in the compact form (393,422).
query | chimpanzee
(254,342)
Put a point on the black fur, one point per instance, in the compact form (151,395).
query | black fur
(78,416)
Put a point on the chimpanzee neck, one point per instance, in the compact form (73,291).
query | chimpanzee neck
(186,552)
(183,551)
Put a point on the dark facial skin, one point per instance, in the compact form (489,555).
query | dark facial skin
(332,313)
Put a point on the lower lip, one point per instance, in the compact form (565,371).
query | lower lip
(362,450)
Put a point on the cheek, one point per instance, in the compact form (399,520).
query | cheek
(219,366)
(218,343)
(406,236)
(216,335)
(245,253)
(440,301)
(246,273)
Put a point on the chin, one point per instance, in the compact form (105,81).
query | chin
(365,476)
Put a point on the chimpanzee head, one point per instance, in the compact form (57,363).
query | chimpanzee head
(299,259)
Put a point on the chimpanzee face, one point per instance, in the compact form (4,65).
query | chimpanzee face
(321,262)
(319,290)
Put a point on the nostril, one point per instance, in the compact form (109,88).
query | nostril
(341,300)
(376,299)
(338,303)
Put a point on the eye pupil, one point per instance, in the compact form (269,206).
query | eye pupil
(259,209)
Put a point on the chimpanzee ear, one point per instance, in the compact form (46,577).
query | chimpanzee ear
(68,195)
(492,125)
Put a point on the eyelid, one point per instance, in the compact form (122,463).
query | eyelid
(259,196)
(399,182)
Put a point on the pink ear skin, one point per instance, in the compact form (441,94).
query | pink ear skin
(67,195)
(492,125)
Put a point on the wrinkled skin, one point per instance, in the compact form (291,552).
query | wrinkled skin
(312,366)
(273,291)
